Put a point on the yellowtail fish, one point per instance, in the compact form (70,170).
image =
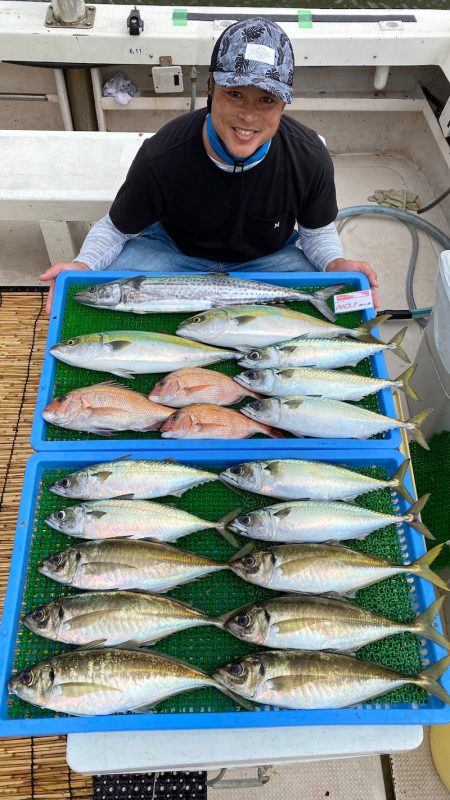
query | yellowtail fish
(322,568)
(306,680)
(106,619)
(128,353)
(320,353)
(207,421)
(196,385)
(330,384)
(130,480)
(146,294)
(295,479)
(104,409)
(127,564)
(106,681)
(312,416)
(321,521)
(127,519)
(259,326)
(303,622)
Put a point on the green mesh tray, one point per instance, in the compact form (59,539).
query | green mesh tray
(78,319)
(208,647)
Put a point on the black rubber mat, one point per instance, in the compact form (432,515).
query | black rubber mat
(151,786)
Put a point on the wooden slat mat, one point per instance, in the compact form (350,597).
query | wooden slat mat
(30,769)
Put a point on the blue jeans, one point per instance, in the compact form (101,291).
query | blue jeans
(154,251)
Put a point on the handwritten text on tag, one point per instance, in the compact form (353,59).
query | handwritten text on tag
(353,301)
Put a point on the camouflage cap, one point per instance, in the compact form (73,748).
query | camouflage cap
(255,52)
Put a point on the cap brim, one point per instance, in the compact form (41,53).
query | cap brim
(275,88)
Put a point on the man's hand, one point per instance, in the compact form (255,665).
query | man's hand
(51,273)
(344,265)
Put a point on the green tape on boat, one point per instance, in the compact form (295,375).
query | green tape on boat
(304,18)
(179,16)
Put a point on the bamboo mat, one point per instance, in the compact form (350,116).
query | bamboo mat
(30,769)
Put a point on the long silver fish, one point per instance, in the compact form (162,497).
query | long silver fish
(322,568)
(320,353)
(303,622)
(146,294)
(293,679)
(314,416)
(105,681)
(104,409)
(127,519)
(331,384)
(106,619)
(127,564)
(258,326)
(321,521)
(128,479)
(128,353)
(295,479)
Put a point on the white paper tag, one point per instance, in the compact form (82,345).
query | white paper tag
(260,52)
(353,301)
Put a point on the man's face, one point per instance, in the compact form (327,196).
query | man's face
(244,117)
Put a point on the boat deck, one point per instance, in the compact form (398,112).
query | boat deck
(386,244)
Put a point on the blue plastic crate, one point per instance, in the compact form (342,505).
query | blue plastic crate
(39,438)
(377,712)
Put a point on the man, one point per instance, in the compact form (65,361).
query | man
(222,188)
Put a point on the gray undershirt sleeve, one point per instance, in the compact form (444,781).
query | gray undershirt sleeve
(320,245)
(103,244)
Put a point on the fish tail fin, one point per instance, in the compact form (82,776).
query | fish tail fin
(404,380)
(273,433)
(364,330)
(415,422)
(244,551)
(428,679)
(423,624)
(421,567)
(221,527)
(399,481)
(395,345)
(416,523)
(319,300)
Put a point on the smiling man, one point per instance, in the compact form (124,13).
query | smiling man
(236,186)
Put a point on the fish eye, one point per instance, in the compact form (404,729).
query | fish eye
(38,615)
(92,289)
(60,515)
(71,342)
(160,384)
(249,561)
(251,374)
(257,405)
(64,483)
(236,669)
(255,355)
(196,319)
(62,399)
(56,559)
(243,620)
(246,519)
(237,470)
(27,677)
